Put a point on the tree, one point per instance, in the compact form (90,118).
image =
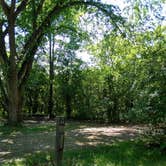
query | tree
(24,23)
(36,91)
(51,74)
(134,75)
(72,36)
(68,69)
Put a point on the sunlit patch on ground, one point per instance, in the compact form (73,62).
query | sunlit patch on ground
(34,137)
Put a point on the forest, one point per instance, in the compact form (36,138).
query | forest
(91,61)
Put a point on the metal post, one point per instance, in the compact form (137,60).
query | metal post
(60,123)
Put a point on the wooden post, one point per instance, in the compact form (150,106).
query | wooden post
(60,123)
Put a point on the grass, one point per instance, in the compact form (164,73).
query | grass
(126,153)
(119,154)
(6,130)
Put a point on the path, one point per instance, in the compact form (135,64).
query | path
(18,144)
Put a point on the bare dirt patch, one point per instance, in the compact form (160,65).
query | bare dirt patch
(91,136)
(77,135)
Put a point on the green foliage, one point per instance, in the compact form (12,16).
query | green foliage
(154,137)
(128,81)
(134,76)
(36,91)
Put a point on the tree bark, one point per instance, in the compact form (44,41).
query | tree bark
(51,76)
(14,93)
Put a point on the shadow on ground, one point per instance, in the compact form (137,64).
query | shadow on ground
(40,137)
(128,153)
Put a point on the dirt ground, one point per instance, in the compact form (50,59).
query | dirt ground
(80,136)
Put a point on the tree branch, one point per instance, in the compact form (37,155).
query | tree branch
(13,4)
(21,7)
(39,8)
(5,7)
(57,10)
(27,64)
(3,54)
(3,90)
(33,40)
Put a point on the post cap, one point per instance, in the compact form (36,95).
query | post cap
(60,120)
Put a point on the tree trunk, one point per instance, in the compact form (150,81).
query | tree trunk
(20,105)
(115,115)
(109,114)
(35,104)
(50,102)
(14,92)
(15,106)
(68,107)
(13,103)
(51,76)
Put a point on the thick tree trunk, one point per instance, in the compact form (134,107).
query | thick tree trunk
(15,103)
(14,107)
(14,92)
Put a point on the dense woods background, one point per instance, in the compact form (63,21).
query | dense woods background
(125,80)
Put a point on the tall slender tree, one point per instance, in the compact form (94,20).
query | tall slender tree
(51,74)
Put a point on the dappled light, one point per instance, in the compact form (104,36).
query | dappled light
(40,137)
(102,142)
(83,83)
(100,135)
(118,154)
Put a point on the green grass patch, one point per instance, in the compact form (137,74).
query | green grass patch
(36,159)
(118,154)
(6,130)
